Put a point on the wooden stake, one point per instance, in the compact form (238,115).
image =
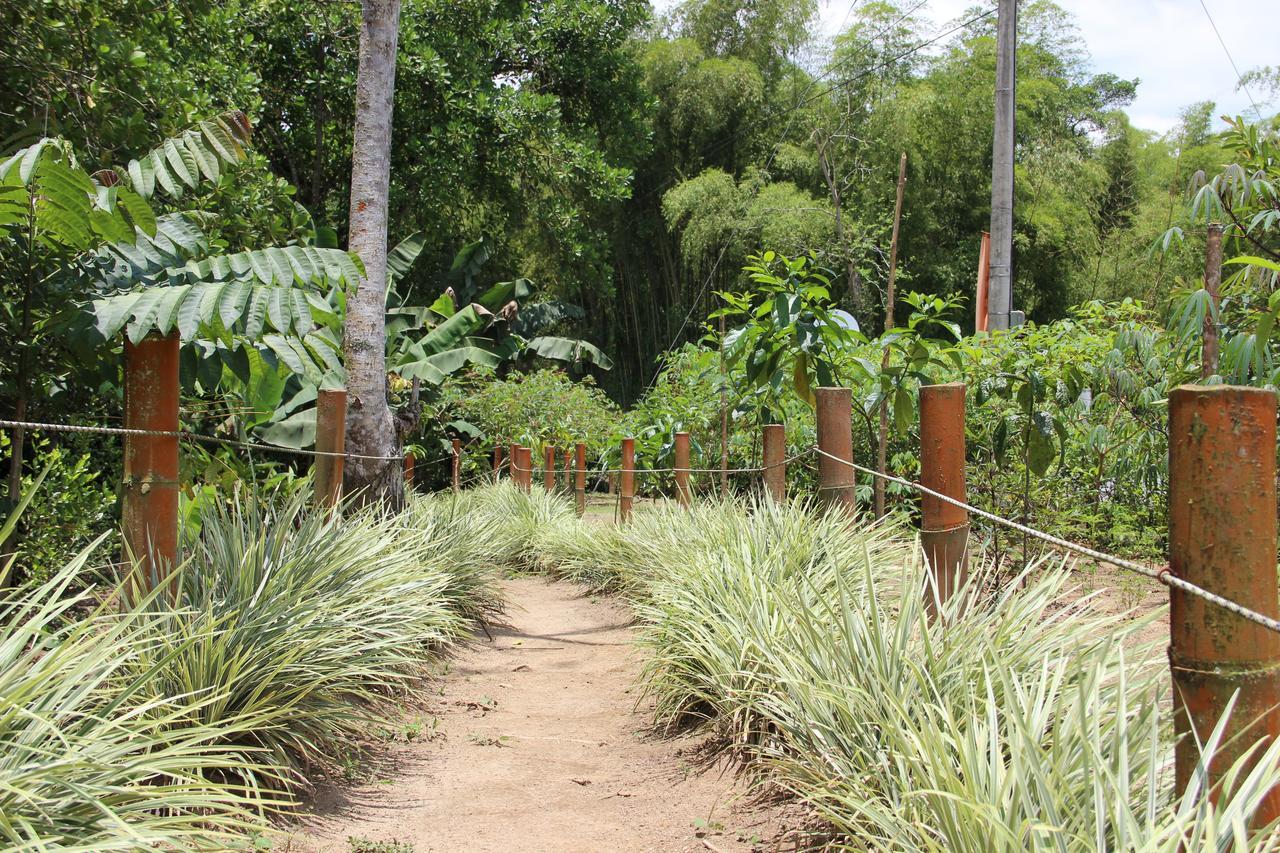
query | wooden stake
(628,478)
(1212,284)
(882,448)
(149,511)
(331,437)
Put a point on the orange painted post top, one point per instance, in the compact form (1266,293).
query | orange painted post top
(497,461)
(408,469)
(683,495)
(549,468)
(457,464)
(580,478)
(331,438)
(836,481)
(628,491)
(149,512)
(1222,536)
(944,527)
(774,462)
(513,461)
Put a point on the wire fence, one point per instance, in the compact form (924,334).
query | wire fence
(186,435)
(1163,576)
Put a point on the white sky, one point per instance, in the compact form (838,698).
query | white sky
(1167,44)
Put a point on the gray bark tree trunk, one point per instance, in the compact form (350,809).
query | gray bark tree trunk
(370,427)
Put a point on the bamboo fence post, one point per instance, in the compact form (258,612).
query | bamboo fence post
(580,478)
(497,462)
(774,454)
(523,466)
(944,527)
(628,478)
(1222,537)
(549,468)
(149,514)
(683,496)
(408,469)
(331,438)
(456,465)
(836,481)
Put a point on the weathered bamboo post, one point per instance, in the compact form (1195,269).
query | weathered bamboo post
(331,442)
(628,490)
(549,468)
(497,462)
(683,496)
(513,462)
(774,459)
(457,465)
(149,515)
(408,469)
(1222,537)
(944,527)
(836,481)
(523,465)
(580,478)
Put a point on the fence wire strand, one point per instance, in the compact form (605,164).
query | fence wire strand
(1164,576)
(190,436)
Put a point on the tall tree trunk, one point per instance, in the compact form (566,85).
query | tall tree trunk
(370,428)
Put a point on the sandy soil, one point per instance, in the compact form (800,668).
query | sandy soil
(538,746)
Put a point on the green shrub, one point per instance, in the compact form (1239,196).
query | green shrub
(533,409)
(70,509)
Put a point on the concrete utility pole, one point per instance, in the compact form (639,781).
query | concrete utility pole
(1000,303)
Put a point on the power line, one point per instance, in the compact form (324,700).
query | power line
(1239,77)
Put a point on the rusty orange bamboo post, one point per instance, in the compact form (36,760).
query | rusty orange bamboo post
(408,469)
(331,441)
(580,478)
(523,465)
(628,490)
(456,465)
(497,462)
(549,468)
(944,527)
(836,481)
(683,496)
(513,462)
(1222,536)
(774,462)
(149,515)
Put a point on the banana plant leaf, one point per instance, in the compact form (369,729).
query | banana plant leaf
(569,350)
(505,291)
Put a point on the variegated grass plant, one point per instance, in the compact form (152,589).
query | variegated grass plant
(1020,720)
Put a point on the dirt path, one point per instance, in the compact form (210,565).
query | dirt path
(539,748)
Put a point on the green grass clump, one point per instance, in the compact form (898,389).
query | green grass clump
(311,621)
(178,722)
(91,757)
